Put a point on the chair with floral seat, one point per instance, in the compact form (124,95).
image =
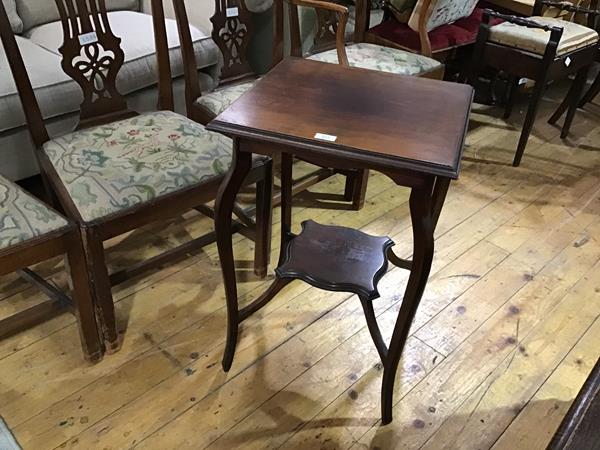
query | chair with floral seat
(232,32)
(120,170)
(31,233)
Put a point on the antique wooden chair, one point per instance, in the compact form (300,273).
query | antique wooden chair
(232,32)
(30,233)
(442,29)
(539,48)
(592,92)
(121,170)
(332,48)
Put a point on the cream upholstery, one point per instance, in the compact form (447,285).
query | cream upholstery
(38,12)
(57,94)
(116,166)
(441,12)
(383,59)
(16,24)
(535,40)
(23,217)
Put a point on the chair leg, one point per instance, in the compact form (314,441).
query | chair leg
(101,289)
(513,87)
(592,92)
(578,85)
(92,346)
(264,211)
(529,120)
(359,182)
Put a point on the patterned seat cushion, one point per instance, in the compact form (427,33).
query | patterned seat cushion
(535,40)
(23,217)
(114,167)
(218,101)
(383,59)
(441,12)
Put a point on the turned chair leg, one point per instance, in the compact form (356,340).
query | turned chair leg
(578,85)
(92,346)
(529,119)
(264,210)
(592,92)
(101,288)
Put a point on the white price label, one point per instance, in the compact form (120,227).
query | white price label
(326,137)
(232,12)
(567,61)
(88,38)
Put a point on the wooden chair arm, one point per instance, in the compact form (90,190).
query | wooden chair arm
(340,35)
(423,33)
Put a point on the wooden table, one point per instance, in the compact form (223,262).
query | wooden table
(410,129)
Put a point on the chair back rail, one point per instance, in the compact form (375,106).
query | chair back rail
(337,18)
(590,12)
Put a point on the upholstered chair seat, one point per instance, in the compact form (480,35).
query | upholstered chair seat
(219,100)
(535,40)
(383,59)
(113,167)
(23,217)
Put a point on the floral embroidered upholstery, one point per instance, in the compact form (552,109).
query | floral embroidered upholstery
(402,9)
(218,101)
(383,59)
(113,167)
(23,217)
(535,40)
(441,12)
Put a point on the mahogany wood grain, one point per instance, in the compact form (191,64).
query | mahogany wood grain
(376,114)
(280,116)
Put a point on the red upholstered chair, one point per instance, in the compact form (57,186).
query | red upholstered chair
(437,28)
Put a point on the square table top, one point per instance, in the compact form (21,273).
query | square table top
(397,122)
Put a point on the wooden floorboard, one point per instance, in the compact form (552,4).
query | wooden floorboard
(506,334)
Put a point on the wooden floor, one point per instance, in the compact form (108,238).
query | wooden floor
(506,334)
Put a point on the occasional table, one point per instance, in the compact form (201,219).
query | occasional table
(410,129)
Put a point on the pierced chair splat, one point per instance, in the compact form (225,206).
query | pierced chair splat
(120,170)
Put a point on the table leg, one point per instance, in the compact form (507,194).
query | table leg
(422,203)
(287,162)
(240,166)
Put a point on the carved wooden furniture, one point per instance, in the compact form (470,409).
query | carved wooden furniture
(540,48)
(31,232)
(232,31)
(120,170)
(579,428)
(331,48)
(592,92)
(443,29)
(356,119)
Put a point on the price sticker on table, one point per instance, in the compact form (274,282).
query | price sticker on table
(232,12)
(326,137)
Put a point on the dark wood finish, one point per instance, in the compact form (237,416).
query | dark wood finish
(540,68)
(579,429)
(233,33)
(18,258)
(343,106)
(104,104)
(393,142)
(336,258)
